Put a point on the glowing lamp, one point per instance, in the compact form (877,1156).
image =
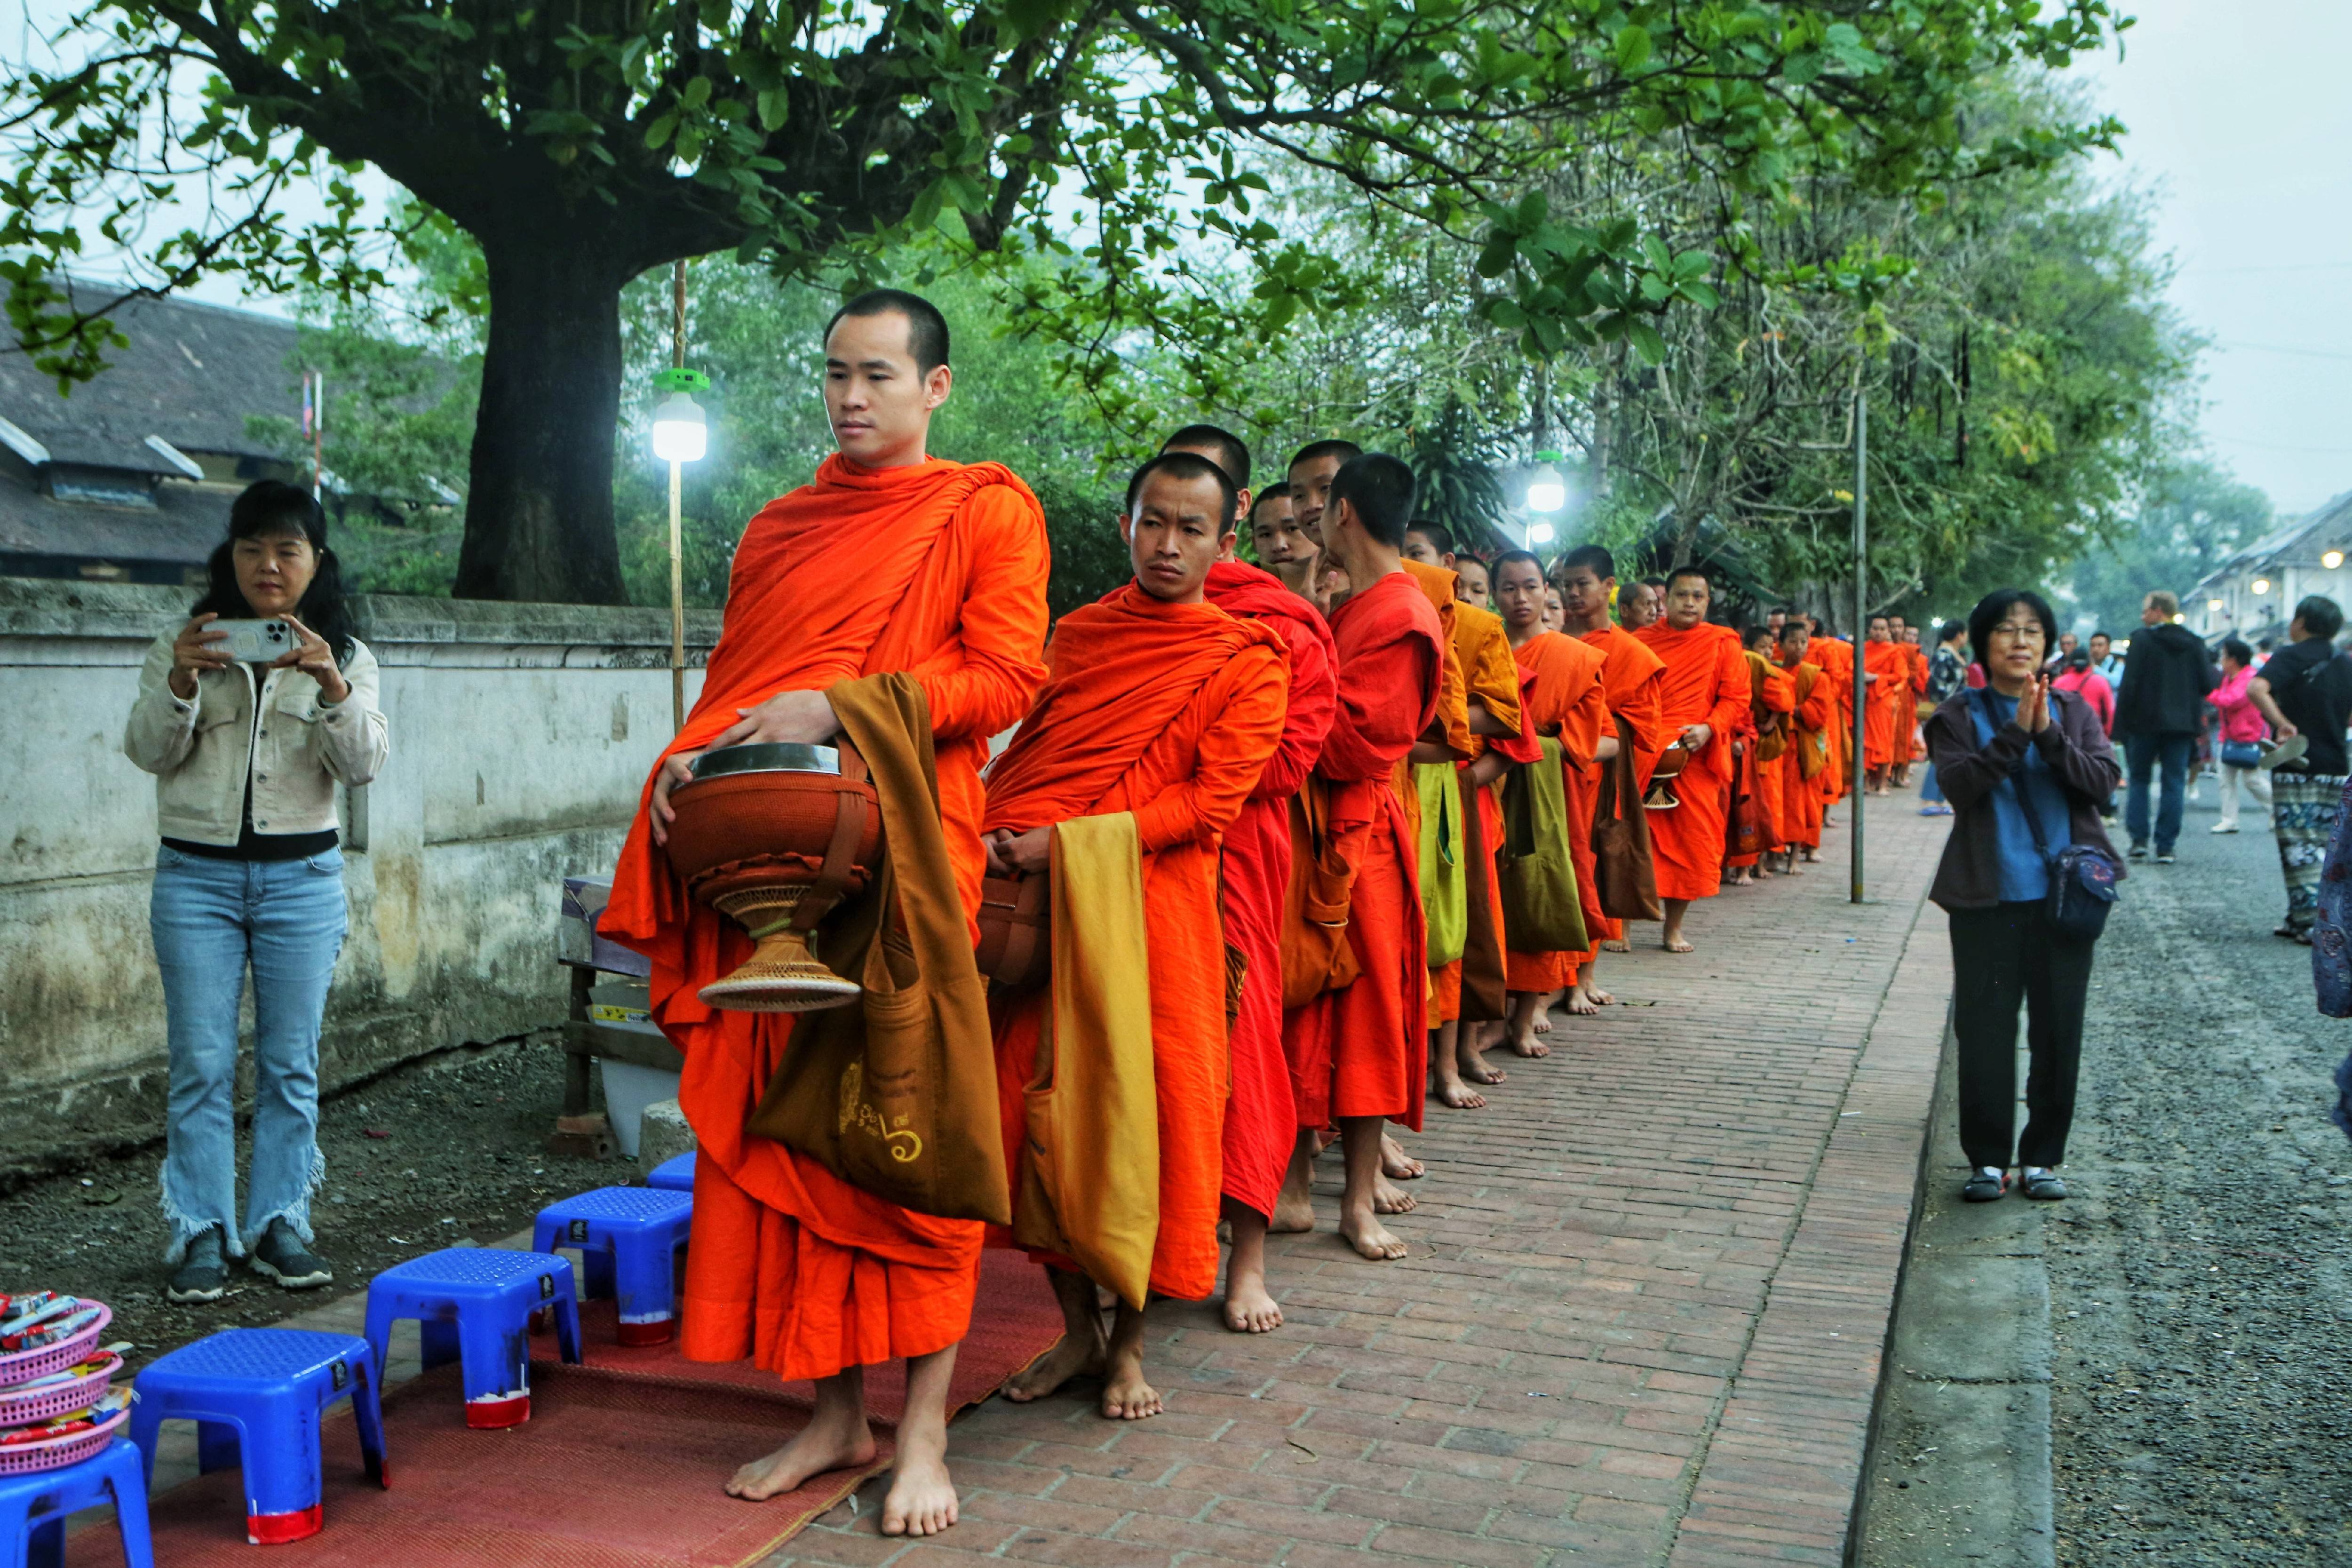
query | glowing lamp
(1546,491)
(1541,533)
(2214,605)
(681,433)
(2331,559)
(2261,585)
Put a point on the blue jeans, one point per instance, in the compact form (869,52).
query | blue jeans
(2146,754)
(1929,790)
(211,920)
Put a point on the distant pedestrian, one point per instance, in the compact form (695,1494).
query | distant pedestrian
(2305,690)
(1948,672)
(2158,713)
(2242,732)
(2087,683)
(247,756)
(2026,768)
(2106,661)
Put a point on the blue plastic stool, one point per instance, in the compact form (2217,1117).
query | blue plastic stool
(256,1396)
(473,1305)
(33,1508)
(628,1239)
(674,1174)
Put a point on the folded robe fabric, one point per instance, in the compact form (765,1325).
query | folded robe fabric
(1631,678)
(1567,698)
(1090,1175)
(1705,683)
(937,569)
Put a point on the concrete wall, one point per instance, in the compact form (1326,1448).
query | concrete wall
(521,736)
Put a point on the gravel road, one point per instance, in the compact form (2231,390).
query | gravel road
(440,1151)
(2201,1276)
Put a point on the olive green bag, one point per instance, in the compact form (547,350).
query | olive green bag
(1444,880)
(1541,912)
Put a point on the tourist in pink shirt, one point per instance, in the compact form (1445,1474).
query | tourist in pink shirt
(2080,678)
(2243,729)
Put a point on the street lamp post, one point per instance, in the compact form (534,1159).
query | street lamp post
(681,435)
(1860,622)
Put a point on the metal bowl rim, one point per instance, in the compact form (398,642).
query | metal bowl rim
(767,756)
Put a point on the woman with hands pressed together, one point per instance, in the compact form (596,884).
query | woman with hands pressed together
(2013,747)
(250,876)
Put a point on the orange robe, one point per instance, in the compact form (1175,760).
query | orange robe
(1567,697)
(1705,683)
(1771,691)
(1482,650)
(1632,677)
(1364,1050)
(939,569)
(1834,660)
(1890,695)
(1800,797)
(1262,1116)
(1169,711)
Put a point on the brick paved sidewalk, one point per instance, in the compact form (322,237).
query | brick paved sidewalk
(1642,1319)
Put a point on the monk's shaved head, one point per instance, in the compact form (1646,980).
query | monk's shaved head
(1179,509)
(1185,466)
(927,330)
(1221,446)
(1687,597)
(1379,490)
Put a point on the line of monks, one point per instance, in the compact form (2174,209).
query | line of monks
(1318,804)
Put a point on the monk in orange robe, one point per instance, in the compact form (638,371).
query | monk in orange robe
(1642,603)
(1631,678)
(1810,723)
(1261,1113)
(1833,657)
(1162,705)
(1912,746)
(890,560)
(1704,699)
(1362,1049)
(1491,680)
(1772,696)
(1887,668)
(1567,697)
(1477,588)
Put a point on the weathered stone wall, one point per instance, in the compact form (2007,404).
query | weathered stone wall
(521,736)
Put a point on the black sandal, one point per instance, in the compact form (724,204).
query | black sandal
(2046,1185)
(1985,1185)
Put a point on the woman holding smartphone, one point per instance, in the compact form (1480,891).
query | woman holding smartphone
(247,755)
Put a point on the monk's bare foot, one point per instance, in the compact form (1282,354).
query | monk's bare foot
(1617,944)
(1677,944)
(1526,1045)
(922,1500)
(1581,1003)
(1125,1397)
(1396,1164)
(1249,1310)
(826,1443)
(1740,878)
(1390,1198)
(1460,1095)
(1071,1356)
(1371,1239)
(1473,1063)
(1293,1212)
(1604,998)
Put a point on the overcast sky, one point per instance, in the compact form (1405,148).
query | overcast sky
(2242,124)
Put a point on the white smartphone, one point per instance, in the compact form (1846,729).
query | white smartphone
(254,642)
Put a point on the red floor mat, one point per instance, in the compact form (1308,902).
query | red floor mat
(619,1466)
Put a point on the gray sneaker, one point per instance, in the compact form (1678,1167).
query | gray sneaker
(281,1254)
(202,1274)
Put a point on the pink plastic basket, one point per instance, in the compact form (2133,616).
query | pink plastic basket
(56,1453)
(23,1407)
(23,1366)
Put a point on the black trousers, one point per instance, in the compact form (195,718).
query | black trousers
(2000,957)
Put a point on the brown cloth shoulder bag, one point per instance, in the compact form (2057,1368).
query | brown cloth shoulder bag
(896,1094)
(1620,839)
(1317,955)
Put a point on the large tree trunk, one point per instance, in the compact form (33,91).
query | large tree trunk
(539,509)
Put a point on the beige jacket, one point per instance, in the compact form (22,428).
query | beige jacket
(201,752)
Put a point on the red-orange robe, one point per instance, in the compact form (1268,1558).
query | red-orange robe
(1567,697)
(1631,679)
(1262,1116)
(1705,683)
(1483,649)
(935,568)
(1169,711)
(1771,691)
(1364,1050)
(1835,661)
(1800,797)
(1890,695)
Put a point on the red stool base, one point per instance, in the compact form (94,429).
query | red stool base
(659,1331)
(489,1415)
(278,1529)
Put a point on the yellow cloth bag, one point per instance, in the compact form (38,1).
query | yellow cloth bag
(1091,1184)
